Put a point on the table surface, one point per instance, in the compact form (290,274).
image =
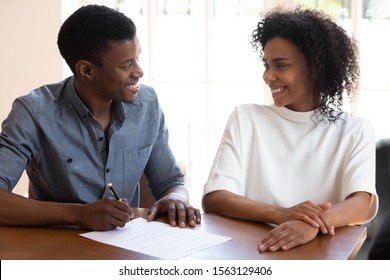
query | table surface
(64,243)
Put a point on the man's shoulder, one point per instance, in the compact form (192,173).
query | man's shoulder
(43,97)
(146,93)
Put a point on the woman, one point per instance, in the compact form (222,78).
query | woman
(300,163)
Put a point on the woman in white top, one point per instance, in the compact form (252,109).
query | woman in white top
(301,163)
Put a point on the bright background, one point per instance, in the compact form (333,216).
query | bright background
(197,55)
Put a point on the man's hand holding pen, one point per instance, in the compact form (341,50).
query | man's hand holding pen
(108,214)
(104,214)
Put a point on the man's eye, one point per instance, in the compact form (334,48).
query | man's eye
(281,66)
(127,65)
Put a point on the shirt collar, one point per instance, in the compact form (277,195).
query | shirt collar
(301,117)
(83,111)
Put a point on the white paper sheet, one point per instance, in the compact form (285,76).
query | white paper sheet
(157,239)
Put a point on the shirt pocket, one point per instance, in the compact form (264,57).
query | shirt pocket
(134,162)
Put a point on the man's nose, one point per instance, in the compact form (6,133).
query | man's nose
(137,71)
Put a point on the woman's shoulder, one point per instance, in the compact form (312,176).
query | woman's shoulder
(355,120)
(250,108)
(254,112)
(355,124)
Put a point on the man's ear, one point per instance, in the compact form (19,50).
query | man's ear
(84,69)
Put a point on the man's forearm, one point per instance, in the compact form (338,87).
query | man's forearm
(16,210)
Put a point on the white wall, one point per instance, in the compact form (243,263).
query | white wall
(29,56)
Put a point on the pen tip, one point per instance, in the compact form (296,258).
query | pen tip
(109,185)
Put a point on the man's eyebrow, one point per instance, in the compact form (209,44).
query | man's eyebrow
(126,61)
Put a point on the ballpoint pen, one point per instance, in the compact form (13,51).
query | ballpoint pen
(111,188)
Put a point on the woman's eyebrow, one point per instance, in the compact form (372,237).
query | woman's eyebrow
(277,59)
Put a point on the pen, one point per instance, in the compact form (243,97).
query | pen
(111,188)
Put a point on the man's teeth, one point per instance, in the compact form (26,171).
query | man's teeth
(276,90)
(133,86)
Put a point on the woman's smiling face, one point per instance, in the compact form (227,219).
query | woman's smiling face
(286,74)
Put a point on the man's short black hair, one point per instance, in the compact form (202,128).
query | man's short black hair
(86,33)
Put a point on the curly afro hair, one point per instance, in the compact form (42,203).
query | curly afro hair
(331,55)
(86,33)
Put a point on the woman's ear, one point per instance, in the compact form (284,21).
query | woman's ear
(84,69)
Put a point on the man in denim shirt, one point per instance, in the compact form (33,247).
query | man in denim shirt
(98,127)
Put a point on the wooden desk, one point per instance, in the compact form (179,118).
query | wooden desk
(59,243)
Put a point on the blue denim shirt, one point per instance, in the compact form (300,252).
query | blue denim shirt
(52,135)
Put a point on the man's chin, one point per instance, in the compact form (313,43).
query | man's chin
(130,99)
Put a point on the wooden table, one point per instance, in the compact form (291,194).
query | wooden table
(64,243)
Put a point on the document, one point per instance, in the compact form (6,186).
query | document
(157,239)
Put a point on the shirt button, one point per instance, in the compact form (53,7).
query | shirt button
(69,160)
(108,170)
(100,139)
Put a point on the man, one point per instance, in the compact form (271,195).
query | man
(97,128)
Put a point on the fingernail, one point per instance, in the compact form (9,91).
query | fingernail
(262,248)
(273,248)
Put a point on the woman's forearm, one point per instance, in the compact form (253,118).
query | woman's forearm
(232,205)
(353,210)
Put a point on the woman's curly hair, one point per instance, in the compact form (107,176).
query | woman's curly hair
(331,55)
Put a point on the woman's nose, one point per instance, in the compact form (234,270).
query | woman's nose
(269,76)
